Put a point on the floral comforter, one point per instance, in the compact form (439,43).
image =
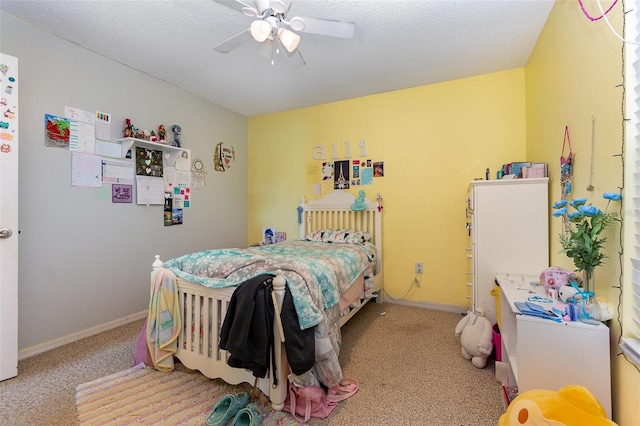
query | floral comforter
(316,273)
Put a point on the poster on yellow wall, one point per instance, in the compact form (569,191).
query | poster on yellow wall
(313,172)
(341,175)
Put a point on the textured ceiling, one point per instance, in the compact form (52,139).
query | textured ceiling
(398,44)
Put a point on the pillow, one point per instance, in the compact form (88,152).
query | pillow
(339,236)
(315,236)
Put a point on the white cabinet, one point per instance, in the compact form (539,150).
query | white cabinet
(508,223)
(543,354)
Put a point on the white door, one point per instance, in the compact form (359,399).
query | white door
(8,216)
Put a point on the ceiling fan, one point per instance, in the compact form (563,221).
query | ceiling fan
(273,29)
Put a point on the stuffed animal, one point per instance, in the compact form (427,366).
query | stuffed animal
(572,405)
(475,337)
(554,277)
(567,293)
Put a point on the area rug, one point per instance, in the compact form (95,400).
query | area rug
(144,396)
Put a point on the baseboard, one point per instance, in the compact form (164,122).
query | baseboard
(56,343)
(428,305)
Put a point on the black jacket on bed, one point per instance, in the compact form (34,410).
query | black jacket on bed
(247,330)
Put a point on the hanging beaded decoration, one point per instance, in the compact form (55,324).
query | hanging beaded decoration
(566,171)
(198,173)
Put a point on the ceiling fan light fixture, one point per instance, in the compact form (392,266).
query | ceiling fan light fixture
(260,30)
(249,11)
(289,39)
(280,6)
(297,23)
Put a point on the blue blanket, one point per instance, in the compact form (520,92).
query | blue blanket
(316,273)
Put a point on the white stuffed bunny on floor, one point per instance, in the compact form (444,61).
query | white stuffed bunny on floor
(475,337)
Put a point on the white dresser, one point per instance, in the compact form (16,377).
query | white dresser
(508,226)
(543,354)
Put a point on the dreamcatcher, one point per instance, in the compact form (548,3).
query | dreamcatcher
(198,173)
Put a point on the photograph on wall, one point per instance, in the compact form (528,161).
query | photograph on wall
(121,193)
(327,170)
(341,174)
(148,162)
(57,131)
(168,209)
(176,218)
(378,169)
(355,176)
(268,235)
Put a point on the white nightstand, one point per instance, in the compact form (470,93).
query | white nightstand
(543,354)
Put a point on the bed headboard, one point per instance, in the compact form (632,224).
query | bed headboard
(334,211)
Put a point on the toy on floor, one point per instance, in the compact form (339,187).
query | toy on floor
(475,337)
(571,405)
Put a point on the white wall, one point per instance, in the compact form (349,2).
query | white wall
(83,260)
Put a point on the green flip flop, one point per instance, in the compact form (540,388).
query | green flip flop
(226,408)
(248,416)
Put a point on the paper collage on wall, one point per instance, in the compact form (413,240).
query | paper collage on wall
(177,193)
(8,103)
(342,174)
(97,161)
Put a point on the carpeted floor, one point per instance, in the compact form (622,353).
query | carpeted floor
(406,360)
(142,395)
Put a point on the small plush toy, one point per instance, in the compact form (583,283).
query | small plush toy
(475,337)
(567,293)
(572,405)
(554,277)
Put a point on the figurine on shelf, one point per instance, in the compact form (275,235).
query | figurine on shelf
(153,137)
(177,130)
(141,134)
(162,133)
(129,130)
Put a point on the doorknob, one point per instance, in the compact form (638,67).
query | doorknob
(5,232)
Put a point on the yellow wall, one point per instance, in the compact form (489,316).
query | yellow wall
(571,77)
(433,139)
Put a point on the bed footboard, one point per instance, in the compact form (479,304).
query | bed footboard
(204,310)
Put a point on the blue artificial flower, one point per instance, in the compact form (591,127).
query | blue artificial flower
(590,210)
(575,217)
(578,202)
(613,196)
(558,204)
(560,212)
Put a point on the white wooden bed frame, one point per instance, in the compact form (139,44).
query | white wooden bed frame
(199,350)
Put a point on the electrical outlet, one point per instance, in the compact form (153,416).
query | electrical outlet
(418,267)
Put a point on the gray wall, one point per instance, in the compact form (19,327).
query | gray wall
(83,260)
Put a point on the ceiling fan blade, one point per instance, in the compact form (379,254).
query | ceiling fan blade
(240,6)
(266,49)
(233,42)
(295,59)
(324,27)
